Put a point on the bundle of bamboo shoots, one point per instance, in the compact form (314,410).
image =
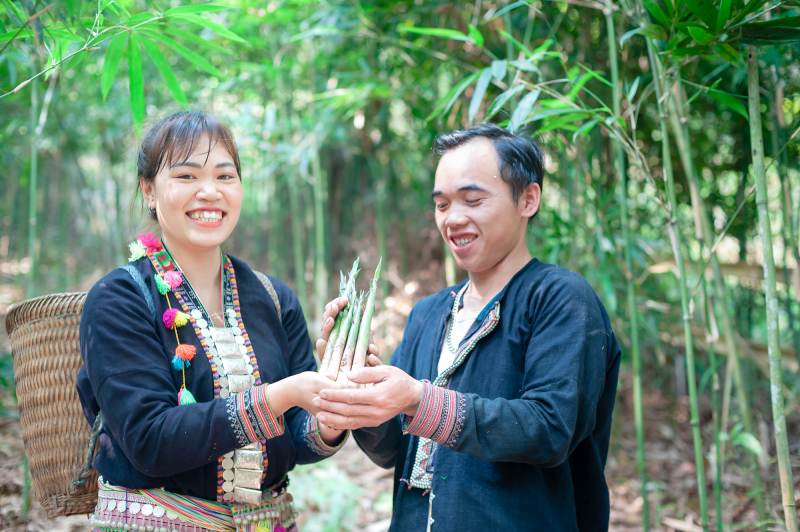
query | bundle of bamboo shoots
(349,340)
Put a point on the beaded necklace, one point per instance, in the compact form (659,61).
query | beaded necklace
(456,307)
(229,352)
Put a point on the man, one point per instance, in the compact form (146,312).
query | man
(496,409)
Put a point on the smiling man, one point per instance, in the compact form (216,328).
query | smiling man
(496,409)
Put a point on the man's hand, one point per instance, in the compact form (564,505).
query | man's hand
(394,392)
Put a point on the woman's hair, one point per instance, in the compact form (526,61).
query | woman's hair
(172,139)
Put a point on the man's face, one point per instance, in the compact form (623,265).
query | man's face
(475,212)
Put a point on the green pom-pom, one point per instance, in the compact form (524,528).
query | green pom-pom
(185,397)
(137,251)
(162,285)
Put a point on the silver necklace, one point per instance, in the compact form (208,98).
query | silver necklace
(456,305)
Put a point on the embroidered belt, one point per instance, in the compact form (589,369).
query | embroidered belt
(156,510)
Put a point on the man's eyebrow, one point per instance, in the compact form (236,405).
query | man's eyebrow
(474,188)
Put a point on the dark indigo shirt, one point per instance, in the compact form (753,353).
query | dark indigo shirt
(149,440)
(530,409)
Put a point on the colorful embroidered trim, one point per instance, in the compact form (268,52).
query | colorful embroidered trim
(315,441)
(256,416)
(163,264)
(442,413)
(436,417)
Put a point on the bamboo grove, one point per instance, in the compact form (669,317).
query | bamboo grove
(672,179)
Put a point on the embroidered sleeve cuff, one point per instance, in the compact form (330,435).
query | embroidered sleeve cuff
(253,419)
(440,416)
(315,441)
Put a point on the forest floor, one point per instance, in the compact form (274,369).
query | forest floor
(348,492)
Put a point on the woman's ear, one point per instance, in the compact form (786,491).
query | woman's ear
(148,193)
(530,200)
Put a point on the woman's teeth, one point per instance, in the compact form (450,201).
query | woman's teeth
(206,216)
(461,242)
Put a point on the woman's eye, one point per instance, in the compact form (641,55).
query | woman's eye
(226,177)
(185,176)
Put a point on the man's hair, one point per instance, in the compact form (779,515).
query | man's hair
(521,161)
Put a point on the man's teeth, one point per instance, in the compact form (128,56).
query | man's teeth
(206,216)
(461,242)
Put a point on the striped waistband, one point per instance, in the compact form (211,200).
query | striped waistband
(156,510)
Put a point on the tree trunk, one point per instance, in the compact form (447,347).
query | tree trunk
(773,339)
(675,236)
(297,244)
(636,357)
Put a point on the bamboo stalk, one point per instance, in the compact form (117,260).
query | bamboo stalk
(350,345)
(32,189)
(706,233)
(297,244)
(362,346)
(320,206)
(347,290)
(675,237)
(770,288)
(622,176)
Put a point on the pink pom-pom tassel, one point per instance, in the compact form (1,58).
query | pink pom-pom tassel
(169,317)
(150,241)
(173,279)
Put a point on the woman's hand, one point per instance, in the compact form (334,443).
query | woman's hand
(331,310)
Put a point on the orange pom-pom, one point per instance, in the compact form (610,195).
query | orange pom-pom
(185,352)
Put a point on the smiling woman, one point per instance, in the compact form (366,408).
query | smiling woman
(179,346)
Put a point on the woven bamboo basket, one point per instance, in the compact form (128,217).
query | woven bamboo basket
(46,352)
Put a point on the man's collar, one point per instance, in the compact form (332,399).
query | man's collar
(490,305)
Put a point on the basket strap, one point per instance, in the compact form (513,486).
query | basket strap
(83,474)
(140,281)
(272,293)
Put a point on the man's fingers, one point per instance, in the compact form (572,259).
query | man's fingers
(321,344)
(368,375)
(374,361)
(335,421)
(344,409)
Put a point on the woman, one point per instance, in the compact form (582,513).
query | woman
(202,369)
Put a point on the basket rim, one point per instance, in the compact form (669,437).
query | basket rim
(18,310)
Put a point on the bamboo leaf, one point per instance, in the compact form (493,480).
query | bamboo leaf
(523,110)
(654,31)
(111,62)
(700,36)
(460,88)
(510,38)
(138,18)
(502,99)
(769,35)
(749,442)
(584,129)
(656,11)
(210,24)
(166,71)
(688,51)
(633,88)
(194,39)
(499,69)
(480,89)
(525,65)
(195,59)
(728,52)
(136,81)
(730,100)
(705,11)
(438,32)
(785,22)
(724,14)
(476,36)
(501,12)
(543,47)
(628,34)
(555,112)
(182,10)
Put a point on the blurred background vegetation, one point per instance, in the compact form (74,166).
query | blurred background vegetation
(652,163)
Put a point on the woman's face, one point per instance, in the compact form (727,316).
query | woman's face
(197,201)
